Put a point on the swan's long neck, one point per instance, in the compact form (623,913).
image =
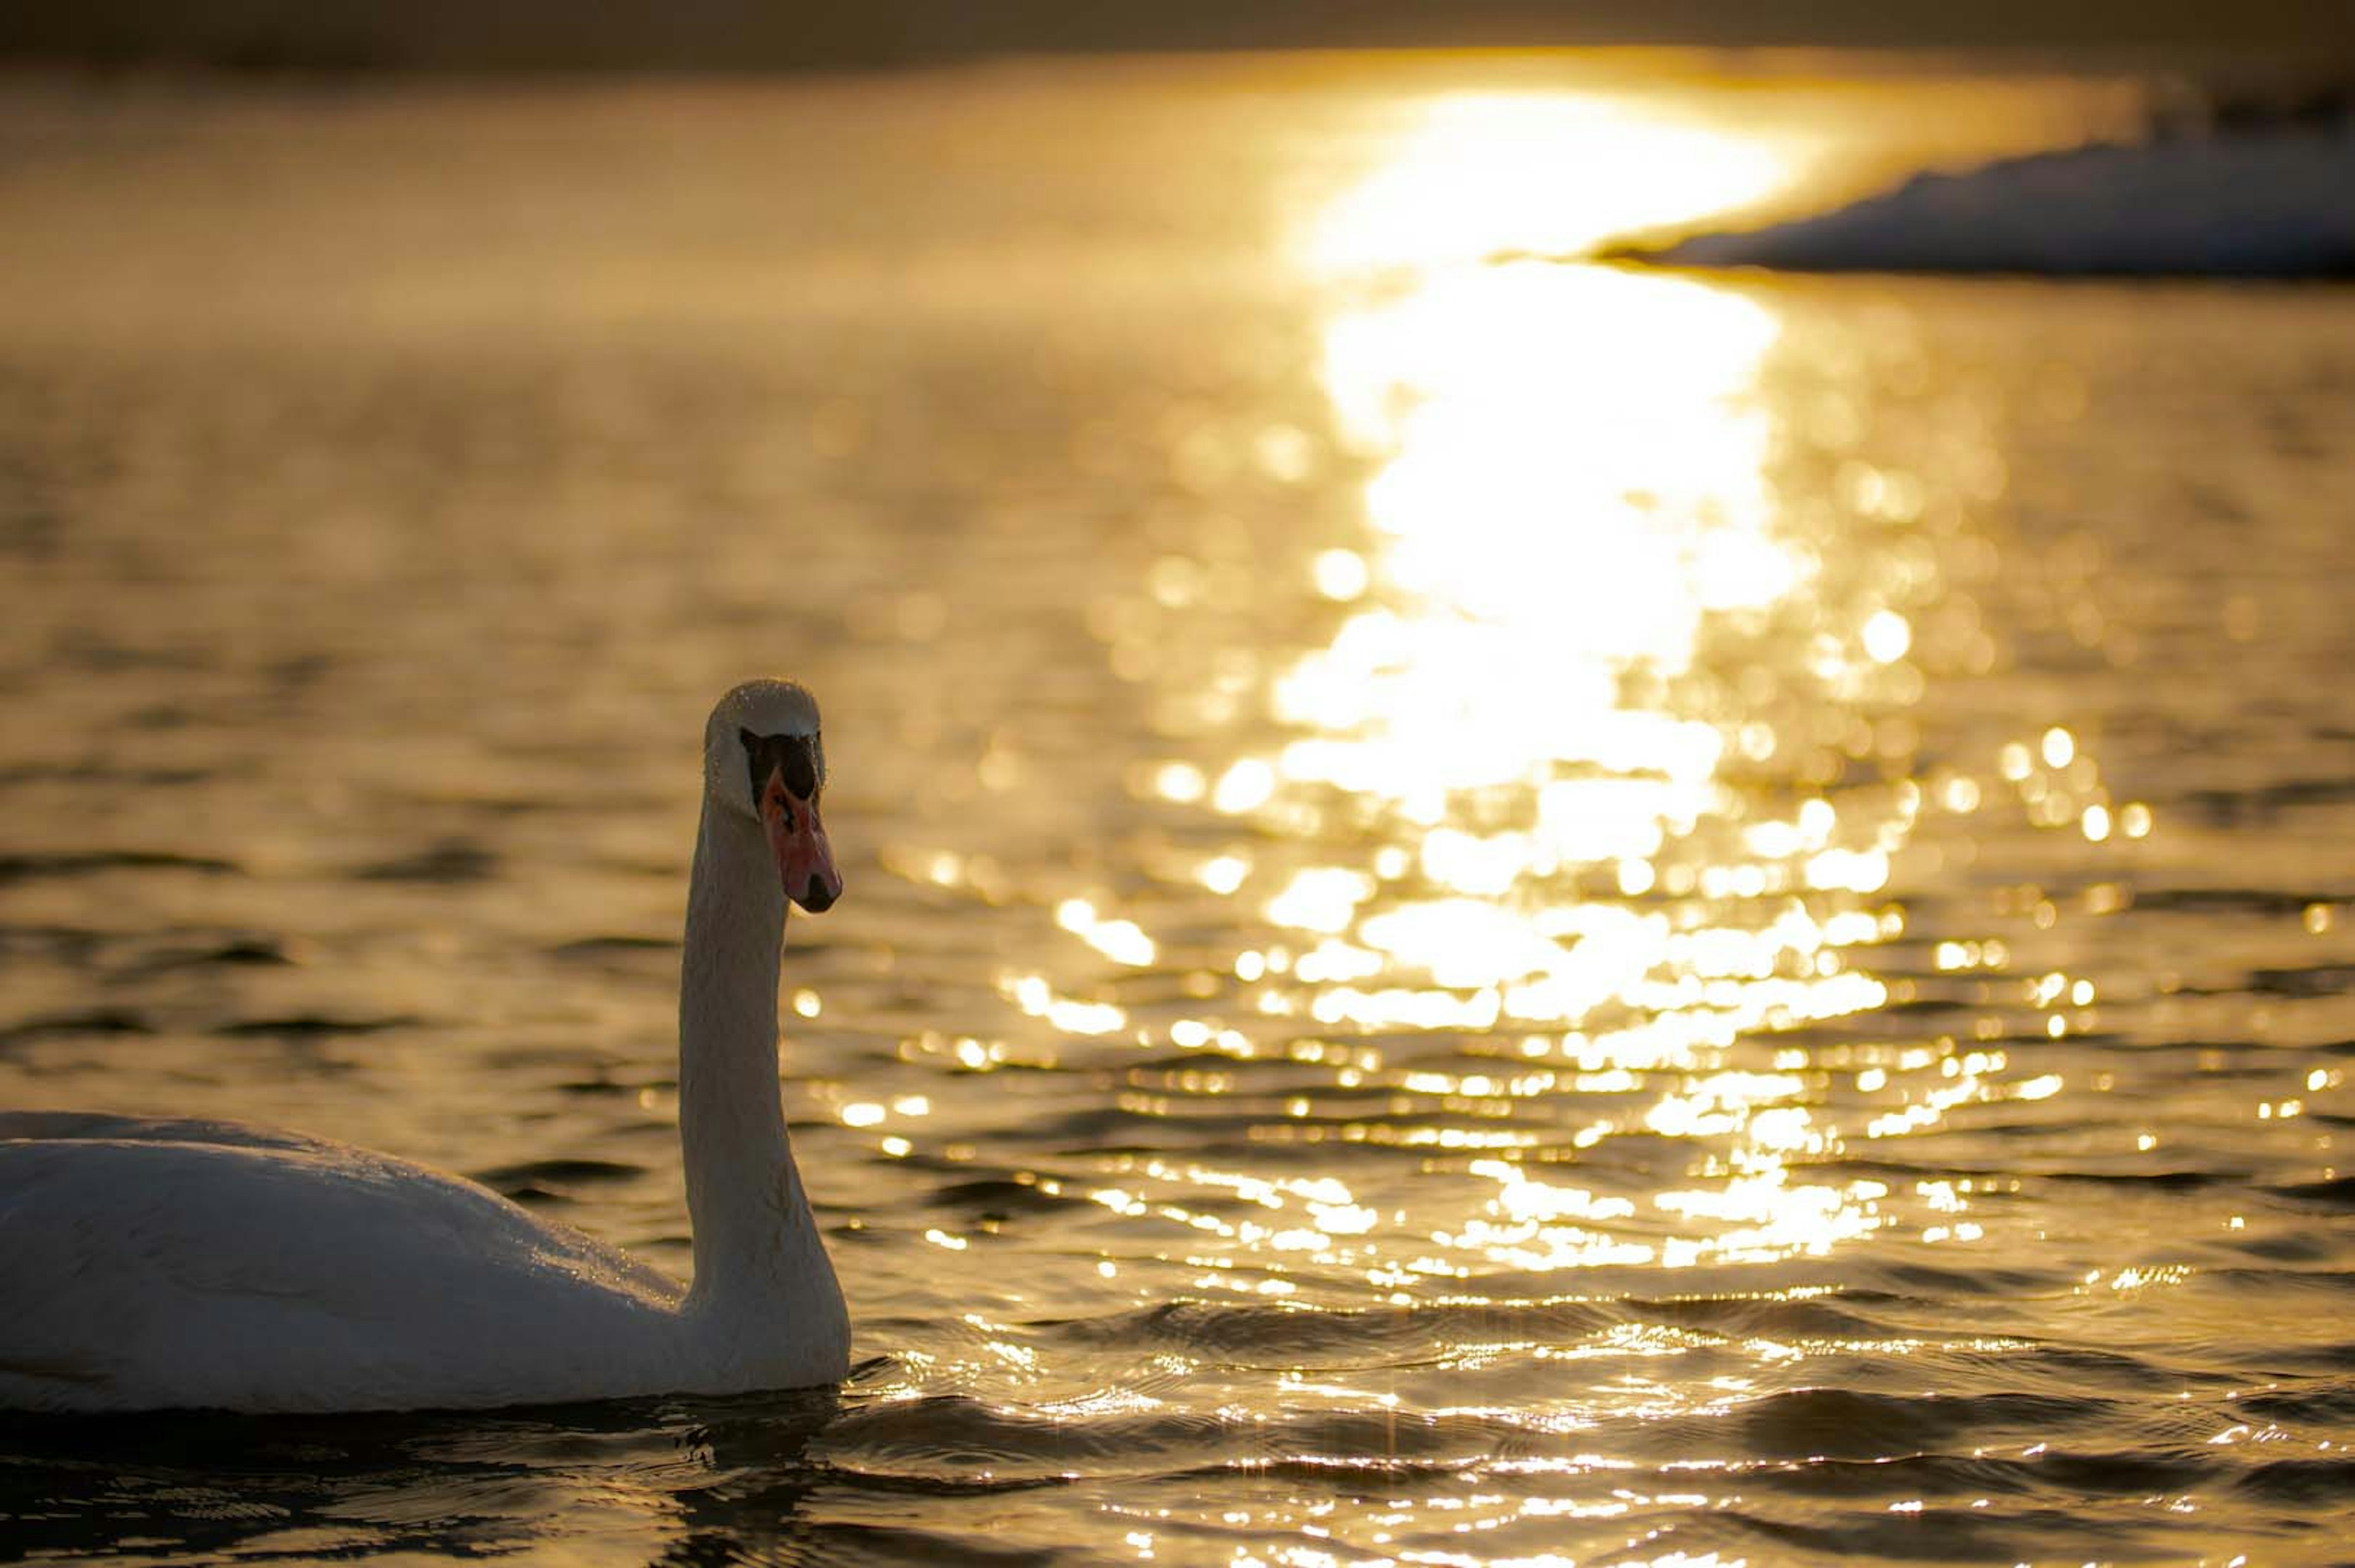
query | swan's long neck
(756,1246)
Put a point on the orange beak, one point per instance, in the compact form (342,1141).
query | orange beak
(797,839)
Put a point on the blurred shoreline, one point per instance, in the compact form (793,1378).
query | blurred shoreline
(724,37)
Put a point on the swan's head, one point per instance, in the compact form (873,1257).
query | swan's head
(762,756)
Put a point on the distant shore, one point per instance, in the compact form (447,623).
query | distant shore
(2246,182)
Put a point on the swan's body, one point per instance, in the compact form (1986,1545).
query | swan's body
(153,1264)
(186,1263)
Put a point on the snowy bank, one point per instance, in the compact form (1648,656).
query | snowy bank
(2277,204)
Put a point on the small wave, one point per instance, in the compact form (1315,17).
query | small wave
(552,1178)
(452,860)
(2336,1193)
(91,1021)
(996,1199)
(1842,1424)
(96,773)
(1805,1316)
(2332,1402)
(2155,1180)
(298,1025)
(1922,1279)
(2266,901)
(1979,1474)
(90,862)
(959,1441)
(2310,980)
(871,1545)
(236,951)
(1816,1441)
(2328,1282)
(601,948)
(2307,1483)
(2263,802)
(1954,1534)
(1253,1333)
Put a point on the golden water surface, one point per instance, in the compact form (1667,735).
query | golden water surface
(1502,908)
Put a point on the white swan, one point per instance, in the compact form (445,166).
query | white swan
(155,1264)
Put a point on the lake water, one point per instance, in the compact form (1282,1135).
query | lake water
(1499,911)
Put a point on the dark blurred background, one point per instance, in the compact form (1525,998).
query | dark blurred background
(726,35)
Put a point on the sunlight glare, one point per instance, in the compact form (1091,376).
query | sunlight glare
(1480,175)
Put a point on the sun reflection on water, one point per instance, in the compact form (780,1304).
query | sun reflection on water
(1571,486)
(1571,503)
(1556,857)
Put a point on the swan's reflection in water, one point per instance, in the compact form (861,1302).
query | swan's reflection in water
(742,1480)
(664,1481)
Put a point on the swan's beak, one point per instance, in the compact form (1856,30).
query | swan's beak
(797,836)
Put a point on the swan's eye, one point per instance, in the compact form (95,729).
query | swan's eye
(789,760)
(801,770)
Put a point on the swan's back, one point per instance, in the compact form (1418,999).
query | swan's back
(182,1263)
